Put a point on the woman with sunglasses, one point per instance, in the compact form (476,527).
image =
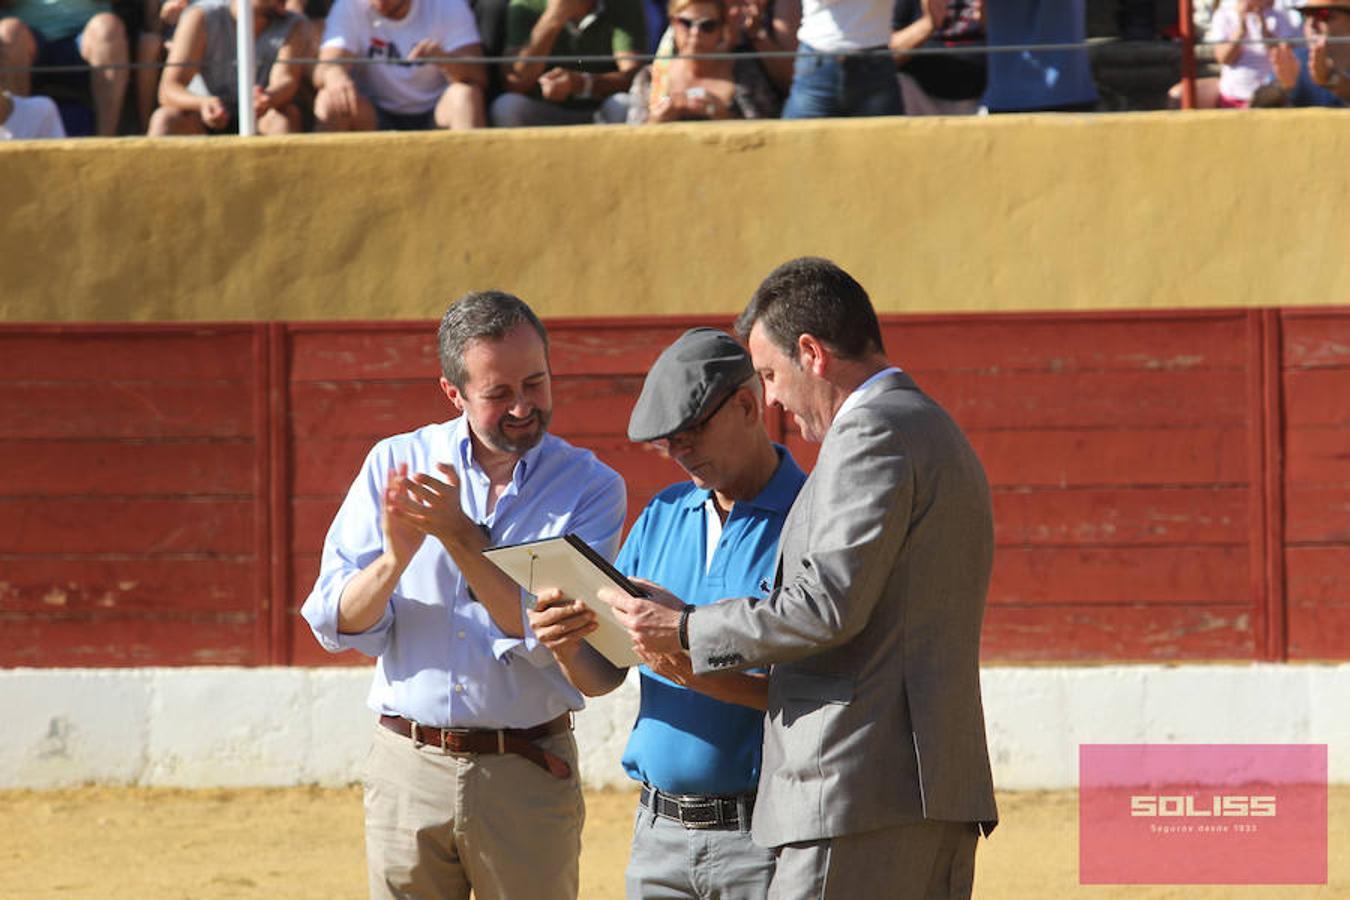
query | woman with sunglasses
(700,81)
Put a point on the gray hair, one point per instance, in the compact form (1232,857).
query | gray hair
(476,316)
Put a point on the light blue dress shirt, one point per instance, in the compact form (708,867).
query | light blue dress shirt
(441,660)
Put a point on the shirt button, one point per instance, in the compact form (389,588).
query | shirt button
(459,689)
(460,635)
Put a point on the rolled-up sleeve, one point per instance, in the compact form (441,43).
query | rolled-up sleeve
(354,541)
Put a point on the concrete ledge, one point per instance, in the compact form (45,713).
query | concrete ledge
(218,727)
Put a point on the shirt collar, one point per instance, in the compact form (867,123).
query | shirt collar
(462,442)
(855,398)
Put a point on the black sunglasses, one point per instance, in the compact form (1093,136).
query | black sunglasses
(702,26)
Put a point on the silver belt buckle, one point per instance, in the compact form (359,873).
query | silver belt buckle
(682,802)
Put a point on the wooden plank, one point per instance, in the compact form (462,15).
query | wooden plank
(1317,455)
(373,410)
(1317,515)
(310,520)
(1136,458)
(1313,340)
(369,410)
(274,501)
(1266,536)
(1092,399)
(1319,602)
(617,349)
(1319,633)
(150,586)
(1317,397)
(105,641)
(1066,343)
(1119,518)
(95,356)
(80,468)
(1317,576)
(355,352)
(125,409)
(129,525)
(1164,576)
(1095,633)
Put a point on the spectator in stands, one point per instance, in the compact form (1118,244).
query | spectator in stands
(543,93)
(65,33)
(687,87)
(1237,31)
(396,91)
(842,67)
(205,42)
(1038,80)
(947,85)
(767,26)
(25,118)
(1318,74)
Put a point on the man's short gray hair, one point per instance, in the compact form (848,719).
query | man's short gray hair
(480,315)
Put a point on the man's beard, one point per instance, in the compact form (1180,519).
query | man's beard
(498,438)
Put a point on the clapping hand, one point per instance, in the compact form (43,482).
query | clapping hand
(431,505)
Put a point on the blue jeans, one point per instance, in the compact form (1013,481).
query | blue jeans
(827,85)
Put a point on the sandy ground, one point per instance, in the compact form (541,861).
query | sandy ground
(124,843)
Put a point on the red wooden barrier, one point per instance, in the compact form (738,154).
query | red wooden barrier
(1167,485)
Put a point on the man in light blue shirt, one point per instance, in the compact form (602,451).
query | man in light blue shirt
(696,745)
(475,715)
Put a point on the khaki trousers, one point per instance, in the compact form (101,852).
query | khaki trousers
(923,861)
(441,825)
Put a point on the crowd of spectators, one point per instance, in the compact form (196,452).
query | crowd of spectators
(344,65)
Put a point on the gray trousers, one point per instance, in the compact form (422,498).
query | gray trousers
(920,861)
(669,861)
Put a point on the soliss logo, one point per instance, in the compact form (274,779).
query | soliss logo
(1236,806)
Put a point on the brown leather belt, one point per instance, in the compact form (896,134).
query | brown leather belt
(519,741)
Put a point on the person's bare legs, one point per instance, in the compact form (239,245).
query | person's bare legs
(331,115)
(18,49)
(283,121)
(461,106)
(148,48)
(167,121)
(104,43)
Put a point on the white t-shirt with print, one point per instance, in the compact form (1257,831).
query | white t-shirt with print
(1252,69)
(32,117)
(399,87)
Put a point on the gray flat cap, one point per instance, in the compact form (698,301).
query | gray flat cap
(688,379)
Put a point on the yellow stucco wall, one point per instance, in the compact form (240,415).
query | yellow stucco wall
(1005,213)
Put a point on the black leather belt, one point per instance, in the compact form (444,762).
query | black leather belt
(726,813)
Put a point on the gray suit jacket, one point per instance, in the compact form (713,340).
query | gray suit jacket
(873,632)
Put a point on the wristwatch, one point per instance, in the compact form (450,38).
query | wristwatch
(587,83)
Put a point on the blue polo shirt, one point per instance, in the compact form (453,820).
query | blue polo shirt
(685,742)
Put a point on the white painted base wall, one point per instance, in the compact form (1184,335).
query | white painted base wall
(231,727)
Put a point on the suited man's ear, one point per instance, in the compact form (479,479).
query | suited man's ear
(812,355)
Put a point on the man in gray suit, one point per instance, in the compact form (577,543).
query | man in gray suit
(875,781)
